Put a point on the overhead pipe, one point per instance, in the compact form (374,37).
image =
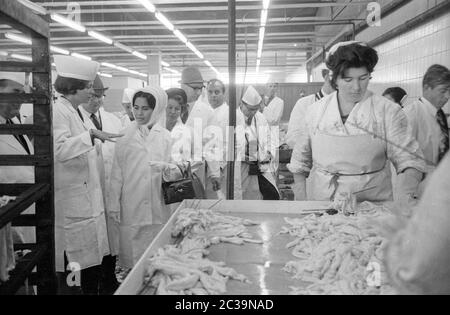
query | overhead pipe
(317,58)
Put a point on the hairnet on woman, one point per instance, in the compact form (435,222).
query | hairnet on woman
(351,134)
(141,163)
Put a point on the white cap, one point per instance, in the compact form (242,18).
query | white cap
(252,97)
(76,68)
(128,95)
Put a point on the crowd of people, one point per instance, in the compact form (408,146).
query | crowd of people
(110,173)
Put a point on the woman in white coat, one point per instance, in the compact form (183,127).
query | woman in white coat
(80,229)
(351,134)
(140,162)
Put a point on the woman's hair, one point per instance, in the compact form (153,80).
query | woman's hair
(351,56)
(69,86)
(151,100)
(178,95)
(397,94)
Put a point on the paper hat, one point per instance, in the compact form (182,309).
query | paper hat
(252,97)
(76,68)
(128,96)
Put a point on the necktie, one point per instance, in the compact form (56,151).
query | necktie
(19,138)
(185,114)
(97,123)
(444,143)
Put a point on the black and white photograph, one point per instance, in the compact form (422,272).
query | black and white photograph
(229,155)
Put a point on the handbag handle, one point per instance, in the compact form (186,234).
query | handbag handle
(186,173)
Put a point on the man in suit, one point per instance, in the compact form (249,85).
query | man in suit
(15,145)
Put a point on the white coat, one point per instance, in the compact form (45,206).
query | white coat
(374,117)
(217,163)
(296,120)
(274,111)
(136,189)
(17,175)
(263,146)
(80,228)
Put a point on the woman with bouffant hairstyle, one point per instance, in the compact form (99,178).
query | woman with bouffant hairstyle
(351,135)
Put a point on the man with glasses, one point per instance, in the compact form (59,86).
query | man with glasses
(196,114)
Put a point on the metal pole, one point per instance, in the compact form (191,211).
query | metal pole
(232,96)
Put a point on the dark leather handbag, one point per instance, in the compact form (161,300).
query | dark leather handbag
(190,187)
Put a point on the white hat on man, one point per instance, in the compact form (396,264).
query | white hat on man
(128,96)
(76,68)
(252,97)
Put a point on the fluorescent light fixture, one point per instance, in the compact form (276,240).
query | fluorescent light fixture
(80,56)
(266,4)
(162,18)
(21,57)
(123,47)
(173,71)
(18,38)
(195,50)
(59,50)
(33,6)
(106,75)
(148,5)
(100,37)
(134,72)
(139,55)
(165,64)
(62,20)
(264,15)
(208,63)
(3,53)
(180,36)
(122,69)
(143,75)
(215,70)
(109,65)
(262,32)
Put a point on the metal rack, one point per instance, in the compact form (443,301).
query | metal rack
(39,265)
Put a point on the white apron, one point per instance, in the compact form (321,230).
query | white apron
(349,164)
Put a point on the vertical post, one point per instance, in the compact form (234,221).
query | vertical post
(43,145)
(154,69)
(232,97)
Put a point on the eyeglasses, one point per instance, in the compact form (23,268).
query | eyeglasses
(195,87)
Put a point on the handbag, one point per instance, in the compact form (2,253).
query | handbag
(190,187)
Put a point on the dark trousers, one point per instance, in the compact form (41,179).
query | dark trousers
(268,191)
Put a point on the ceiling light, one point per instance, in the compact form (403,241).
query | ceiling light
(18,38)
(139,55)
(134,72)
(100,37)
(109,65)
(195,50)
(180,36)
(123,47)
(173,71)
(58,18)
(21,57)
(262,32)
(148,5)
(162,18)
(143,75)
(3,53)
(266,4)
(80,56)
(264,15)
(59,50)
(208,63)
(106,75)
(165,64)
(122,69)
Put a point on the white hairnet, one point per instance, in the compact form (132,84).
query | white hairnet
(161,102)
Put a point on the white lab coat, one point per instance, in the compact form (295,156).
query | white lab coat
(198,121)
(418,256)
(136,189)
(374,115)
(18,175)
(217,164)
(274,111)
(296,120)
(80,228)
(262,146)
(125,121)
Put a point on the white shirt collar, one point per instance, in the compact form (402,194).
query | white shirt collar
(2,120)
(86,113)
(430,108)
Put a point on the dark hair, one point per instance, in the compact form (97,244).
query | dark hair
(177,94)
(214,81)
(69,86)
(397,93)
(436,75)
(151,100)
(351,56)
(325,72)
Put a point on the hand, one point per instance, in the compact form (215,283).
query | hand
(104,136)
(215,183)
